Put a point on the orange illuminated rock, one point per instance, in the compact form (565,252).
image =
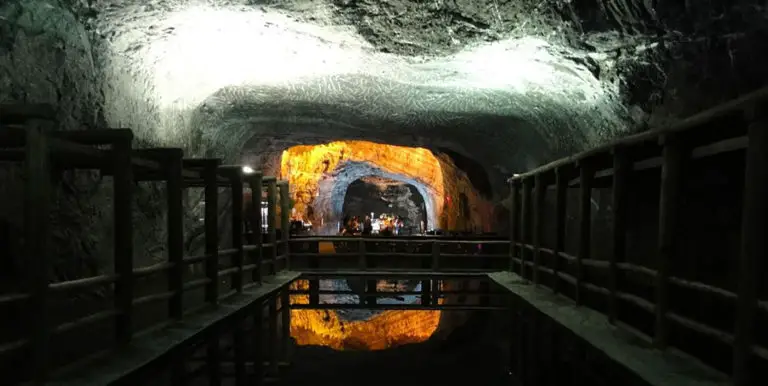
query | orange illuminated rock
(306,165)
(457,204)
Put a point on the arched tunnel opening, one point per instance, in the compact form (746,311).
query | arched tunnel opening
(378,197)
(326,177)
(444,98)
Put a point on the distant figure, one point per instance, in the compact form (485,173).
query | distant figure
(367,226)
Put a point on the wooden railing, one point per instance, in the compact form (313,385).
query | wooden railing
(434,254)
(738,128)
(28,135)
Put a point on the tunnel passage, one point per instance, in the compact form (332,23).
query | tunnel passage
(321,176)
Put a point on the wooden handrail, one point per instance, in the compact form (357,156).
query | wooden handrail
(737,105)
(29,136)
(671,149)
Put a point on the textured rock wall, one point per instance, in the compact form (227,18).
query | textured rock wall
(46,56)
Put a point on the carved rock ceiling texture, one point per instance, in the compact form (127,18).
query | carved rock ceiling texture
(510,82)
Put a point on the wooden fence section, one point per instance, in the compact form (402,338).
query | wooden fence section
(28,135)
(412,254)
(431,257)
(664,160)
(414,290)
(246,339)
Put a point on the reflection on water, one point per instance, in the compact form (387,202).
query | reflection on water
(361,329)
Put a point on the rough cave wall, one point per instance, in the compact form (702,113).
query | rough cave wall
(467,210)
(320,176)
(667,59)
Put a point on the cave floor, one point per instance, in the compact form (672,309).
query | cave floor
(428,363)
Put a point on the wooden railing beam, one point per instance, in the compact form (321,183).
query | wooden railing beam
(514,188)
(561,195)
(620,191)
(37,234)
(754,247)
(123,186)
(211,224)
(238,259)
(540,186)
(255,182)
(525,224)
(586,179)
(669,201)
(175,223)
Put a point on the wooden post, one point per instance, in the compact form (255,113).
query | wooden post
(285,221)
(239,341)
(561,192)
(621,171)
(178,368)
(513,213)
(274,338)
(213,356)
(257,340)
(37,200)
(370,290)
(362,263)
(435,255)
(175,221)
(123,238)
(525,223)
(538,223)
(210,177)
(426,292)
(255,182)
(671,180)
(485,290)
(753,245)
(238,259)
(272,222)
(285,319)
(586,177)
(314,292)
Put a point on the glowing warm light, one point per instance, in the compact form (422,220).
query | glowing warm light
(384,330)
(247,170)
(306,166)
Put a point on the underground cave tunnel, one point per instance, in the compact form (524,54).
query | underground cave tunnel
(446,98)
(326,179)
(369,196)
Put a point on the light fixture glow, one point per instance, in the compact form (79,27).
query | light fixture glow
(248,170)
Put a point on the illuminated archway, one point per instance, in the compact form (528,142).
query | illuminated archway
(319,176)
(374,196)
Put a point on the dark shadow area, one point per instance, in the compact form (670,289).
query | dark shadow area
(477,174)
